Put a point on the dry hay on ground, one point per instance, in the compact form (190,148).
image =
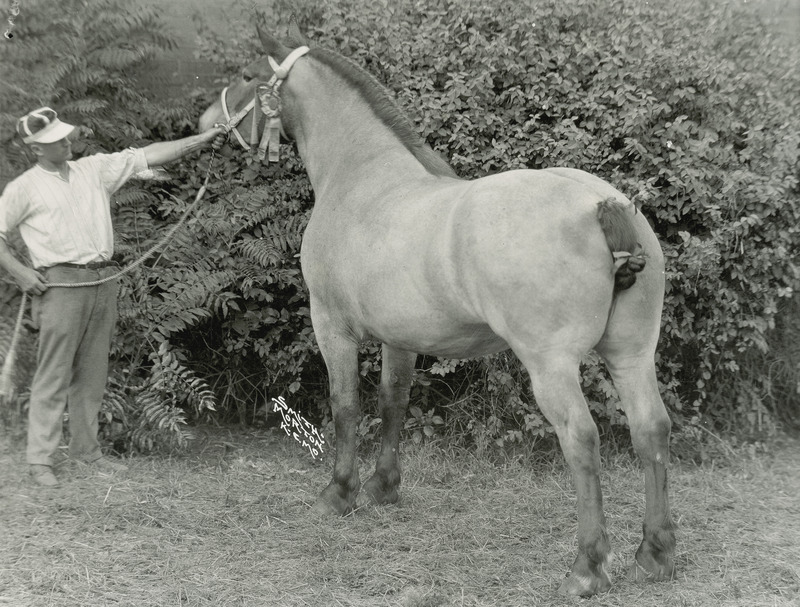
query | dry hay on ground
(229,525)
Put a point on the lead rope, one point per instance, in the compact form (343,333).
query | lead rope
(6,387)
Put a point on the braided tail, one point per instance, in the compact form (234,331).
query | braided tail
(621,236)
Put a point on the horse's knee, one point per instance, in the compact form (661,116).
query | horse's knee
(580,443)
(650,436)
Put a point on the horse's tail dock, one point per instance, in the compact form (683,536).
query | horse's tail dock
(617,224)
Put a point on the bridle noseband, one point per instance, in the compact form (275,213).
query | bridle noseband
(268,100)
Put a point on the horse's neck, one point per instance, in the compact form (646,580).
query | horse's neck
(343,143)
(353,160)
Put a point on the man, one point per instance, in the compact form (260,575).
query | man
(62,210)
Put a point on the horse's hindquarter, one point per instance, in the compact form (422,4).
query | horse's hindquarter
(533,259)
(455,268)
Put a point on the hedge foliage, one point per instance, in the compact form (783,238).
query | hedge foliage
(690,108)
(697,123)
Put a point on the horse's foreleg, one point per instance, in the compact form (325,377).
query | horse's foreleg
(396,372)
(558,393)
(341,359)
(650,429)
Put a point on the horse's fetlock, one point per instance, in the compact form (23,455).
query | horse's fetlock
(661,538)
(346,483)
(597,547)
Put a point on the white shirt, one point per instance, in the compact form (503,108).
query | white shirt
(68,220)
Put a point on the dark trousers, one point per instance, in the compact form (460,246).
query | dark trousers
(76,326)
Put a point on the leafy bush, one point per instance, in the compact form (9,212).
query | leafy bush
(699,125)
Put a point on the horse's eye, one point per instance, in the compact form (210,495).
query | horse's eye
(247,77)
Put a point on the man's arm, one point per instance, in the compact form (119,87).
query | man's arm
(27,279)
(167,151)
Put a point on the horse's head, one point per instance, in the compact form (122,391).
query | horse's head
(237,101)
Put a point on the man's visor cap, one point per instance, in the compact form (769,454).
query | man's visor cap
(42,126)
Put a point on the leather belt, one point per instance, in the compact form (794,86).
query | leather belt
(92,265)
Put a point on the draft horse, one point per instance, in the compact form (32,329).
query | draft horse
(398,249)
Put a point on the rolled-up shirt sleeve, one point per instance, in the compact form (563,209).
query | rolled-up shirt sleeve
(115,169)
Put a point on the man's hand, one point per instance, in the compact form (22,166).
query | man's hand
(30,281)
(217,135)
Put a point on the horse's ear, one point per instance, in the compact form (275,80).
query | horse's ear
(272,46)
(296,37)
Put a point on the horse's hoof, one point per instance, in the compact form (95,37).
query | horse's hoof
(331,503)
(374,493)
(653,572)
(365,499)
(324,509)
(652,564)
(579,585)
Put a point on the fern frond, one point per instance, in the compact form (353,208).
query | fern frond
(132,196)
(257,211)
(53,76)
(80,79)
(85,106)
(264,253)
(173,113)
(169,320)
(160,424)
(115,402)
(170,376)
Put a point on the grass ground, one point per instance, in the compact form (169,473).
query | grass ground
(228,524)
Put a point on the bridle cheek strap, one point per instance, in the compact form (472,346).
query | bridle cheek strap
(266,98)
(232,122)
(271,104)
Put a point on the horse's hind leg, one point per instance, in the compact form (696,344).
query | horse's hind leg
(635,380)
(396,372)
(556,387)
(628,347)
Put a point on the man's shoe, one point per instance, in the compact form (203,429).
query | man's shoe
(43,475)
(108,465)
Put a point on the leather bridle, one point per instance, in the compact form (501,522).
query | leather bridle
(267,100)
